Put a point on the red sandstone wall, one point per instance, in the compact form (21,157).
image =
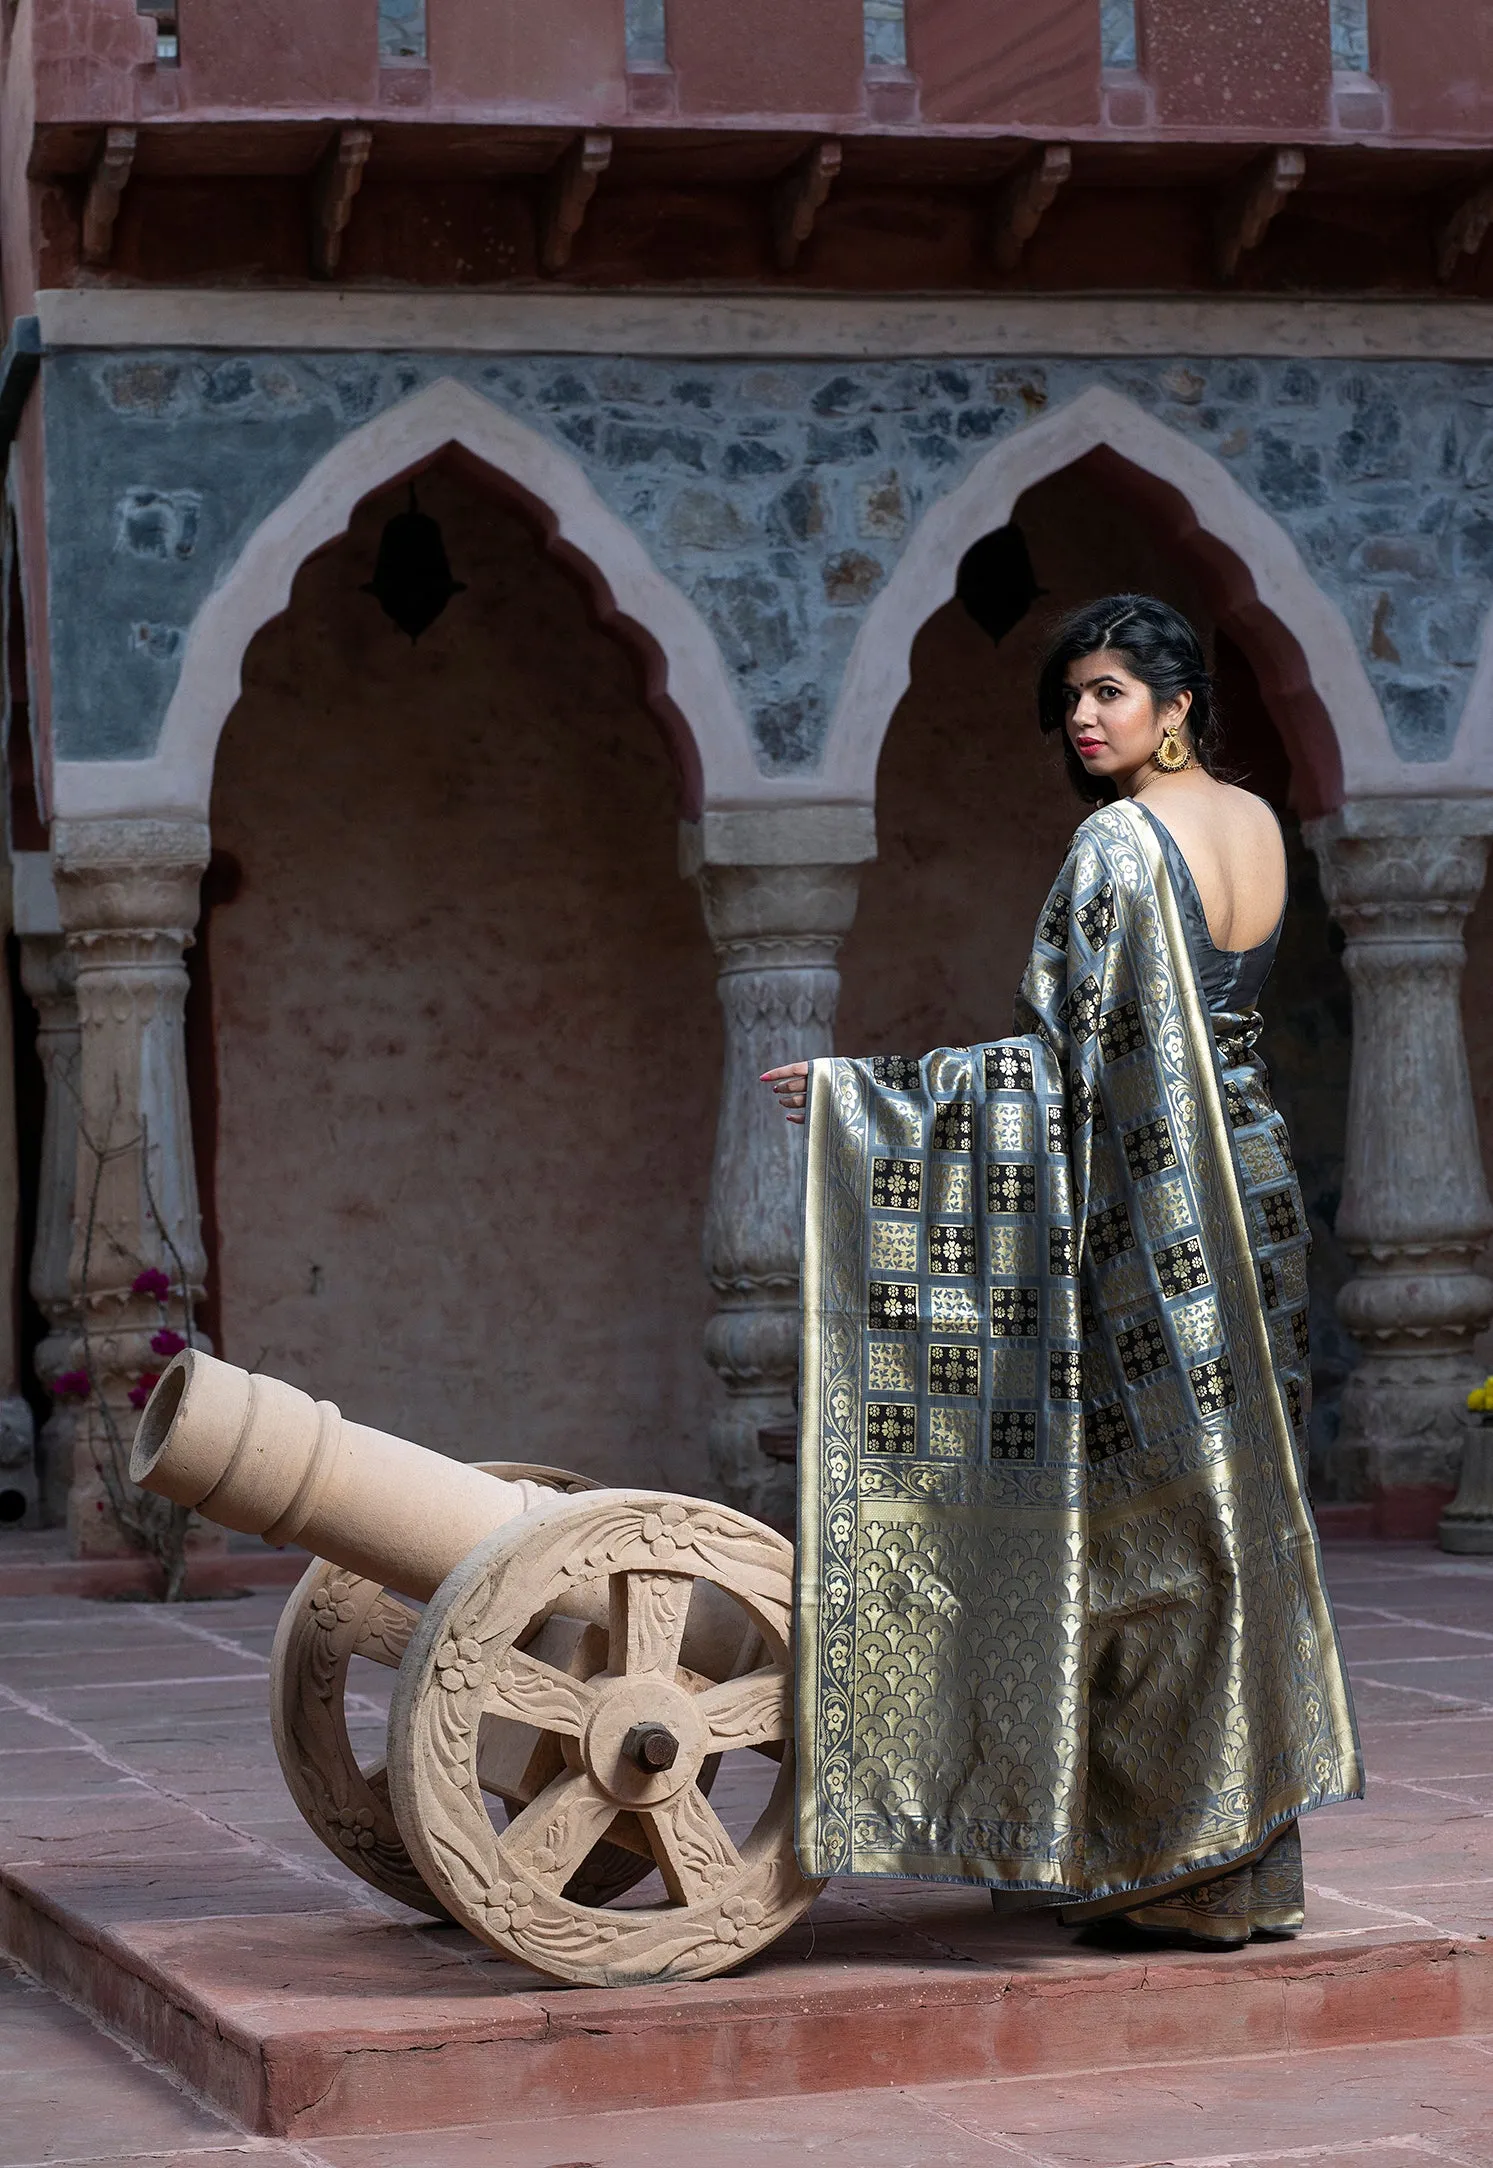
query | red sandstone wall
(467,1036)
(1036,65)
(1216,64)
(1213,65)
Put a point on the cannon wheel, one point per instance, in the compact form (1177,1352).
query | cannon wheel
(612,1727)
(330,1617)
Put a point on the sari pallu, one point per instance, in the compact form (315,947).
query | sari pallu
(1061,1622)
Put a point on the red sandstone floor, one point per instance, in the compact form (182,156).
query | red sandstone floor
(127,1726)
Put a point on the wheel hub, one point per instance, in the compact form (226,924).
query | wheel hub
(645,1741)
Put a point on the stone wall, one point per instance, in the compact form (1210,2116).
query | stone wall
(467,1040)
(778,498)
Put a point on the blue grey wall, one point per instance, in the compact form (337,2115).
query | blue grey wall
(778,497)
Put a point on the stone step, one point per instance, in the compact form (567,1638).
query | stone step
(304,2015)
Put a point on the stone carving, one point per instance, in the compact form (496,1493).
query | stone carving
(512,1886)
(1400,878)
(47,976)
(585,1657)
(777,931)
(127,899)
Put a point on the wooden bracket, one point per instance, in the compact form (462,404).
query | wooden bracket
(1463,233)
(571,186)
(338,178)
(111,169)
(1025,200)
(798,198)
(1248,209)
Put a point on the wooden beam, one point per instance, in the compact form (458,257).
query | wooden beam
(1463,233)
(110,171)
(571,185)
(337,180)
(1025,200)
(798,198)
(1249,207)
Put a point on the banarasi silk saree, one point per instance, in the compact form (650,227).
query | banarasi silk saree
(1061,1620)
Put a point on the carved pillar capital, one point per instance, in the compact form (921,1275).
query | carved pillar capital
(127,898)
(777,930)
(1400,877)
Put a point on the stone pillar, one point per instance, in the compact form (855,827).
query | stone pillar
(779,893)
(47,975)
(18,1481)
(127,893)
(1400,876)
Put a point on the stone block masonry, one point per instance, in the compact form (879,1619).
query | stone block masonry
(778,498)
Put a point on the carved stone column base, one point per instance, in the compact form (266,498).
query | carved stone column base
(1467,1524)
(1404,1426)
(19,1491)
(753,1346)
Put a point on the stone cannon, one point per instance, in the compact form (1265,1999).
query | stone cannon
(583,1661)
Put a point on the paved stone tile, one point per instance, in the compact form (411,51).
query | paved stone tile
(193,1835)
(59,1772)
(146,1670)
(67,2097)
(20,1730)
(208,1694)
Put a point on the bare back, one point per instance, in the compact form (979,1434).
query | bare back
(1232,843)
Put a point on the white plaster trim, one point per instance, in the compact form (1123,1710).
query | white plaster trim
(699,326)
(177,778)
(878,672)
(1471,763)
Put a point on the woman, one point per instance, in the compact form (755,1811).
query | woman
(1062,1626)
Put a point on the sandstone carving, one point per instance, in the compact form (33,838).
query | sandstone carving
(584,1659)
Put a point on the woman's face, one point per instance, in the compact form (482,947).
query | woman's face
(1114,722)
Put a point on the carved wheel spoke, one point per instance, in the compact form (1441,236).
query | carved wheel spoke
(531,1692)
(754,1711)
(384,1634)
(549,1840)
(695,1855)
(648,1614)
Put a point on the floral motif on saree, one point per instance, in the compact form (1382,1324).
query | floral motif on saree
(1061,1615)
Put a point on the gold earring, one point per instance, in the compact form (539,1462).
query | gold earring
(1171,755)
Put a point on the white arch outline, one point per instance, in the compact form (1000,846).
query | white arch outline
(176,780)
(879,668)
(1470,767)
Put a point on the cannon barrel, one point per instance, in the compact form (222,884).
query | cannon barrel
(260,1456)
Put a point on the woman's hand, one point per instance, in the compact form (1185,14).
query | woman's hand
(791,1083)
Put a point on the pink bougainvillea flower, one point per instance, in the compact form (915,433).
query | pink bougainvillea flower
(142,1390)
(151,1282)
(167,1342)
(72,1385)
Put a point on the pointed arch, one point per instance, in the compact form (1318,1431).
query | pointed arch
(1470,766)
(686,681)
(1298,639)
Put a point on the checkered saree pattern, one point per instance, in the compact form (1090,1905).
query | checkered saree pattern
(1061,1622)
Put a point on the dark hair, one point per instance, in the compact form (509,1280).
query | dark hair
(1158,646)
